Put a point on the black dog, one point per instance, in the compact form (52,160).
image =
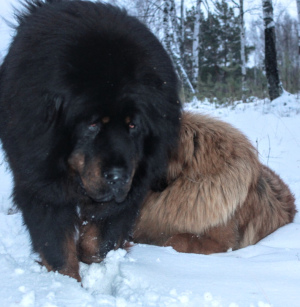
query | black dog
(89,111)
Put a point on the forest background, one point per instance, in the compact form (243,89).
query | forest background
(218,46)
(208,40)
(205,37)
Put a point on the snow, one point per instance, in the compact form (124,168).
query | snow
(263,275)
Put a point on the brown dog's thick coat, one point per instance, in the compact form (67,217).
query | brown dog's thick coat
(219,196)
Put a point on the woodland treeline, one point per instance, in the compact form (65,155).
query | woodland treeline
(220,58)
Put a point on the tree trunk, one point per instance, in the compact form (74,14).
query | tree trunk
(182,30)
(171,41)
(243,57)
(298,28)
(175,26)
(274,85)
(195,52)
(298,9)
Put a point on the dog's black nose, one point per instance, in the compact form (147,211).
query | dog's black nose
(116,176)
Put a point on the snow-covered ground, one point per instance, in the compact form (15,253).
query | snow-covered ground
(267,274)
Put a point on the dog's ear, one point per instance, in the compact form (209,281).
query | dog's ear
(54,104)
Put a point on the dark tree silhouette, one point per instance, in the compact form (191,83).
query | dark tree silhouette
(274,84)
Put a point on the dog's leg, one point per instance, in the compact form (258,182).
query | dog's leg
(52,230)
(216,240)
(89,242)
(71,265)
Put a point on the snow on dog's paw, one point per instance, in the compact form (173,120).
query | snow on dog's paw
(99,277)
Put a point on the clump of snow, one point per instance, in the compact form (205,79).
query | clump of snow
(263,275)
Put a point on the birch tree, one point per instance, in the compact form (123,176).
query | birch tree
(196,42)
(274,84)
(166,26)
(172,41)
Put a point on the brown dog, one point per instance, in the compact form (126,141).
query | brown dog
(219,196)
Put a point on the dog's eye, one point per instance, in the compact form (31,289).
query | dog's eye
(94,127)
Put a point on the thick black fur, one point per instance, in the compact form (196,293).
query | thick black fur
(89,110)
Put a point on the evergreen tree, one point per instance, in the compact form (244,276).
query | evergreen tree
(220,54)
(229,34)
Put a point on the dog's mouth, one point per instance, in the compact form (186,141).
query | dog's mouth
(117,197)
(105,194)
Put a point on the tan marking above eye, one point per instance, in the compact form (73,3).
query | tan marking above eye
(77,161)
(127,120)
(105,120)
